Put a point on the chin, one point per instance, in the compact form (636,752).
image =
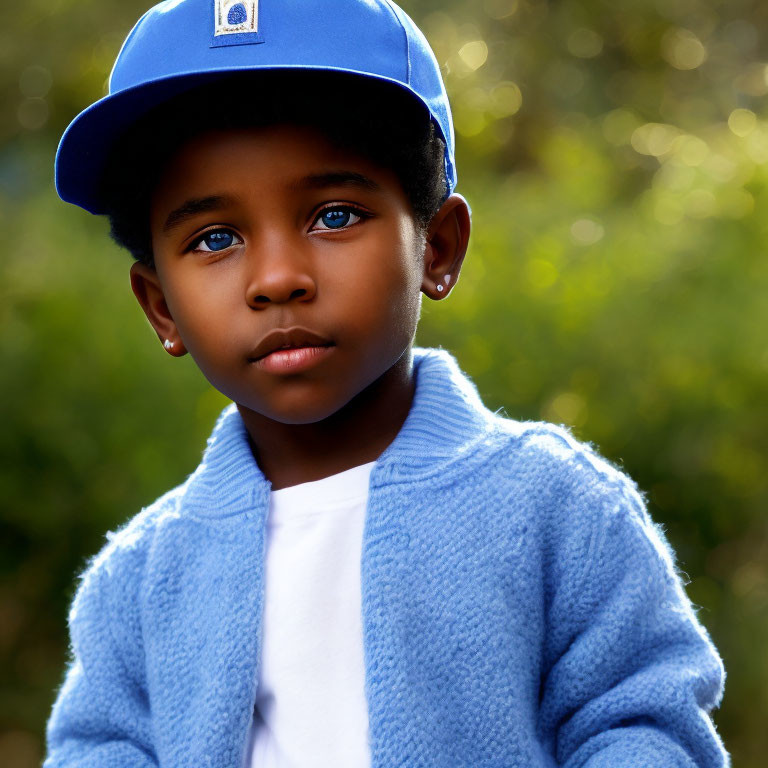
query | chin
(299,412)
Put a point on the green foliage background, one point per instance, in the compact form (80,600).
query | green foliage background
(616,159)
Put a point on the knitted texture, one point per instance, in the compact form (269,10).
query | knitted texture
(520,609)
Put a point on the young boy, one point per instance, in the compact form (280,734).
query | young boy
(368,567)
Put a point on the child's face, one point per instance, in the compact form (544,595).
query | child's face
(272,228)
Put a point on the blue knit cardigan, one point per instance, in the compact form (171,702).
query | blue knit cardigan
(520,609)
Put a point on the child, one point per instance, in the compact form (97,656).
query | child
(368,567)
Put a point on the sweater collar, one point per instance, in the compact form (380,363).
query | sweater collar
(447,416)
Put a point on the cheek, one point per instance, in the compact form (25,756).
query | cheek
(411,274)
(202,311)
(395,295)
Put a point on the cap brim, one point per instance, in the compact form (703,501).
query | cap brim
(88,142)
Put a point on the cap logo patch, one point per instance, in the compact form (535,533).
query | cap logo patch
(236,22)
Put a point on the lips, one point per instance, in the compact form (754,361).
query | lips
(288,338)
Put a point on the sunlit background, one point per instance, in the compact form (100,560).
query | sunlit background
(615,155)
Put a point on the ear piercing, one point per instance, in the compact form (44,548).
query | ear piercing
(168,344)
(447,280)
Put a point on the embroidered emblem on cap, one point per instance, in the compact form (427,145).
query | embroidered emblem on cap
(236,22)
(235,17)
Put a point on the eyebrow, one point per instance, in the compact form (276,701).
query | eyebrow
(194,206)
(336,179)
(198,205)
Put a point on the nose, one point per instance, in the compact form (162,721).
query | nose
(278,274)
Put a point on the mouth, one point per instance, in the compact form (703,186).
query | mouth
(287,343)
(293,359)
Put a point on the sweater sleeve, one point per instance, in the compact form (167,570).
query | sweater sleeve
(636,675)
(101,715)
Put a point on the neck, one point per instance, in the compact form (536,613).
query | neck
(358,433)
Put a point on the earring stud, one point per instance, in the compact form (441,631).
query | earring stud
(168,344)
(439,287)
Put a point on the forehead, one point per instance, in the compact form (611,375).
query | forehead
(268,156)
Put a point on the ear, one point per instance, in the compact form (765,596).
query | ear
(149,293)
(445,247)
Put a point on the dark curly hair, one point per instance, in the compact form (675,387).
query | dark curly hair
(373,118)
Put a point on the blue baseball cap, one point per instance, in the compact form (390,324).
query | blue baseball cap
(179,44)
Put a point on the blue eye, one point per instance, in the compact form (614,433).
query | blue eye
(337,218)
(216,240)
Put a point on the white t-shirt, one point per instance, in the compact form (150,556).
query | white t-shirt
(311,710)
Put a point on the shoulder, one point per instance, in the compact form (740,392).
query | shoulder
(126,549)
(117,568)
(105,615)
(566,475)
(551,450)
(576,504)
